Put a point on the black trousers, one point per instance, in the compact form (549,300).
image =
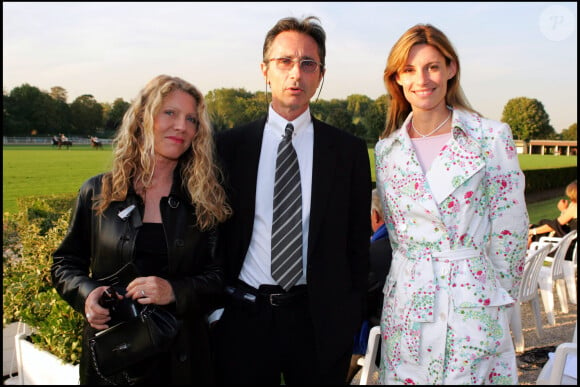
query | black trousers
(270,340)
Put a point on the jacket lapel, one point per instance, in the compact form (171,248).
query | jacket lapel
(460,159)
(249,148)
(323,170)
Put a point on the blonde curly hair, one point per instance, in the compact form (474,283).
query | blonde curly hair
(134,161)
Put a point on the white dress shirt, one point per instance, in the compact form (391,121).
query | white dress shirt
(256,268)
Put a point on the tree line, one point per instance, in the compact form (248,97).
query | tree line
(29,111)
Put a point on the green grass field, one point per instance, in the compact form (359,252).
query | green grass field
(546,209)
(42,170)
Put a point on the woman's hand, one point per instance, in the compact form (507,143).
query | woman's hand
(563,205)
(151,290)
(96,315)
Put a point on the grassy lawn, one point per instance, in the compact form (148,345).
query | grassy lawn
(42,170)
(528,162)
(544,210)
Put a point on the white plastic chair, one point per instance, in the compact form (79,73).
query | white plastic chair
(566,355)
(570,271)
(528,293)
(369,370)
(568,266)
(553,275)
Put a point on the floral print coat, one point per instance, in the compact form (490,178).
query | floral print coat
(459,234)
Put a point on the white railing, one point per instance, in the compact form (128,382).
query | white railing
(46,140)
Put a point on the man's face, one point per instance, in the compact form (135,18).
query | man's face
(291,83)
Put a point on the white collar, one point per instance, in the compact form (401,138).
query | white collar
(277,123)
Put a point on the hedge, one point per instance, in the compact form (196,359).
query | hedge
(538,180)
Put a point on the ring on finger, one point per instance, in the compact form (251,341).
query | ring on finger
(143,293)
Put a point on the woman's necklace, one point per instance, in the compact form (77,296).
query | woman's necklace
(434,130)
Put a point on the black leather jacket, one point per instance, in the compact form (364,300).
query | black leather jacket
(97,246)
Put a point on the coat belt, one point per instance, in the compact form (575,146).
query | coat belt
(422,273)
(423,295)
(456,255)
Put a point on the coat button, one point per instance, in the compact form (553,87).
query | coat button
(179,243)
(403,227)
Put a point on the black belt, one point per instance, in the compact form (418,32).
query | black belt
(274,295)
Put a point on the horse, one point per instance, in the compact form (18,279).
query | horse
(95,143)
(60,143)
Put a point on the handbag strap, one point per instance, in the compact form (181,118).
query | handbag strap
(96,367)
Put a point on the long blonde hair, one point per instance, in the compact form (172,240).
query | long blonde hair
(399,107)
(134,161)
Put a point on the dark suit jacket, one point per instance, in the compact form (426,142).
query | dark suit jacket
(338,242)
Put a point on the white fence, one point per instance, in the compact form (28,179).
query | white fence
(47,140)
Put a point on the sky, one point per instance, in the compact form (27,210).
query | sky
(112,49)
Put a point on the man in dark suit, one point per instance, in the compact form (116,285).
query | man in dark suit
(302,334)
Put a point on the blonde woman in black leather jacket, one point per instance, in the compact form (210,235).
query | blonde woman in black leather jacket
(158,207)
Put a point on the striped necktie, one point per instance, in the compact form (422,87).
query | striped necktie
(287,215)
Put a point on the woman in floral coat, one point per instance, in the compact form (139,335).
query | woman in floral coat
(453,197)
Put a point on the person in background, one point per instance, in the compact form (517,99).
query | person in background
(453,195)
(563,224)
(380,256)
(159,207)
(300,330)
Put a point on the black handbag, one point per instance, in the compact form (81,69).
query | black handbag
(129,342)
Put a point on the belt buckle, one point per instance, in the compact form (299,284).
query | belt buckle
(271,299)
